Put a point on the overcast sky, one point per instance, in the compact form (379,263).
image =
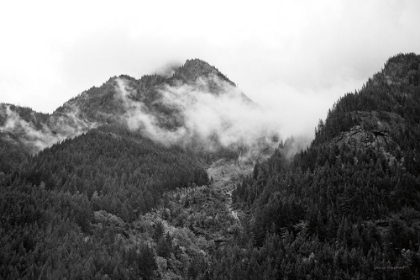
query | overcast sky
(298,56)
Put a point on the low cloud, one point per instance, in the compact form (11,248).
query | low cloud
(57,128)
(227,119)
(189,115)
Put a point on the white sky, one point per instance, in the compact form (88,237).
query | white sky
(296,56)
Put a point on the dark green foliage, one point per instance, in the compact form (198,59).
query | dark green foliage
(146,262)
(12,157)
(41,231)
(159,231)
(164,246)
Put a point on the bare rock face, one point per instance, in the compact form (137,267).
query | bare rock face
(374,129)
(373,132)
(359,137)
(378,140)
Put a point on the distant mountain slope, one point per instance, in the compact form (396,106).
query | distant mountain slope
(158,105)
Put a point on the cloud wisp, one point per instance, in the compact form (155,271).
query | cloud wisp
(56,128)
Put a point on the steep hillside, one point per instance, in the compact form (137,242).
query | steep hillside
(347,207)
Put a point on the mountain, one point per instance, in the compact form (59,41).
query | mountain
(140,179)
(156,104)
(85,185)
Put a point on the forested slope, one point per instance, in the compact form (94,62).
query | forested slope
(347,207)
(62,209)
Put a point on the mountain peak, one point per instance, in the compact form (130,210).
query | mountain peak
(199,65)
(196,68)
(116,101)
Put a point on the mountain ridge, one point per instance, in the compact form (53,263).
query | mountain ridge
(111,102)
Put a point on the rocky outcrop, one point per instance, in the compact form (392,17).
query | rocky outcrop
(375,129)
(378,140)
(358,137)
